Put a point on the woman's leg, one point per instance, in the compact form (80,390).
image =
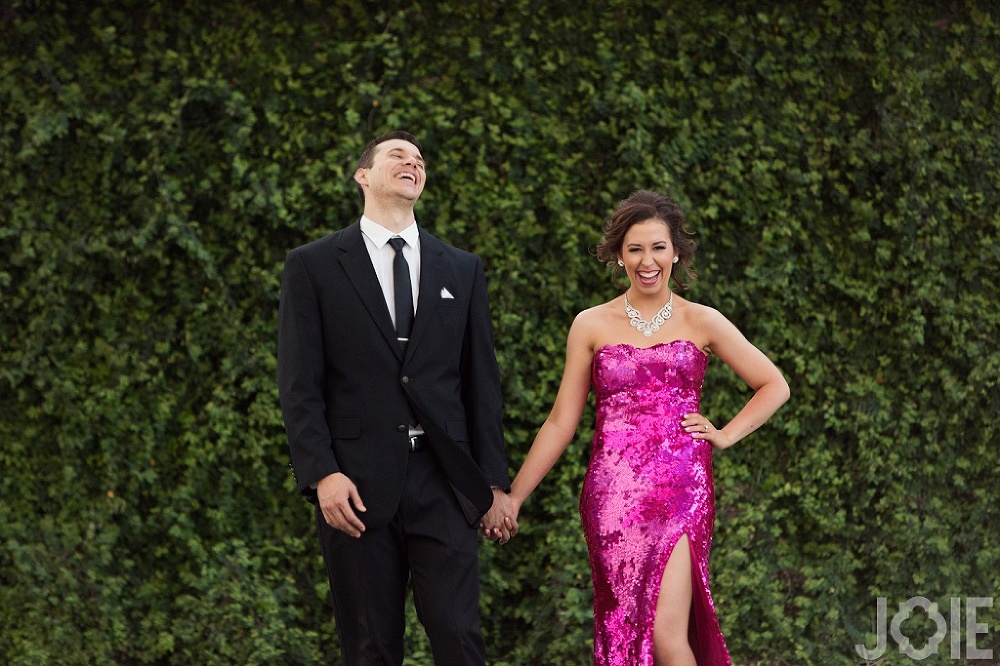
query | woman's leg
(673,610)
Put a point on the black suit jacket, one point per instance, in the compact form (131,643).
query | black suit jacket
(346,389)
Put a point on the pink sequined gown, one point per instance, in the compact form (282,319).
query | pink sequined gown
(648,484)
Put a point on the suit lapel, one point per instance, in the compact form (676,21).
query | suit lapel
(433,275)
(357,263)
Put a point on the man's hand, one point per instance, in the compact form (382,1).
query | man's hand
(500,522)
(336,495)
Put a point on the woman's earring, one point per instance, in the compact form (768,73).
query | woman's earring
(621,263)
(675,259)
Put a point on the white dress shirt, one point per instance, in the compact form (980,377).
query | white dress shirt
(377,241)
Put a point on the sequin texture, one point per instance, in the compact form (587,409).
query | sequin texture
(648,483)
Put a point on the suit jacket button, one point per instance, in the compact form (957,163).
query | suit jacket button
(406,380)
(402,428)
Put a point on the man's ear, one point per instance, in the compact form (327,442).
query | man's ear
(361,176)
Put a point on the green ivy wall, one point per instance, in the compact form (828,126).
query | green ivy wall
(838,160)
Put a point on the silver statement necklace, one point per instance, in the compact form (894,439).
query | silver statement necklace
(647,328)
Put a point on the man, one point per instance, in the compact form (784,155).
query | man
(394,420)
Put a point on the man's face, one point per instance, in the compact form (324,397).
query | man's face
(397,171)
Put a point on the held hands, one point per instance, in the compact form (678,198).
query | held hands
(336,494)
(500,522)
(700,427)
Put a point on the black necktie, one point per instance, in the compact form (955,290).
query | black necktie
(403,292)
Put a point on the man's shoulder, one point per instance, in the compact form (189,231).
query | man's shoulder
(435,244)
(323,244)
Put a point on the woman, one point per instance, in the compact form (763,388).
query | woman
(648,497)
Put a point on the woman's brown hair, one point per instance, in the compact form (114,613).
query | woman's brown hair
(640,206)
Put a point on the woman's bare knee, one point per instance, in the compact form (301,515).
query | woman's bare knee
(673,609)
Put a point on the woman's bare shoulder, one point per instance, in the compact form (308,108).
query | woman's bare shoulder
(589,324)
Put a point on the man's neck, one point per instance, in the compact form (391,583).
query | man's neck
(393,218)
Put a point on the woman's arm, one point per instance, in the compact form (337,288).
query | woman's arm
(753,367)
(560,426)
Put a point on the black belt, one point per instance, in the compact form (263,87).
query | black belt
(417,443)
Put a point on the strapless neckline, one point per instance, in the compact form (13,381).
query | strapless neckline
(653,346)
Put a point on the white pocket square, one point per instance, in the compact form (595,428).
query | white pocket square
(445,293)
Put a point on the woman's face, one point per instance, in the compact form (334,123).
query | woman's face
(648,254)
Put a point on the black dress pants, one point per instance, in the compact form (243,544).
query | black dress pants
(428,543)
